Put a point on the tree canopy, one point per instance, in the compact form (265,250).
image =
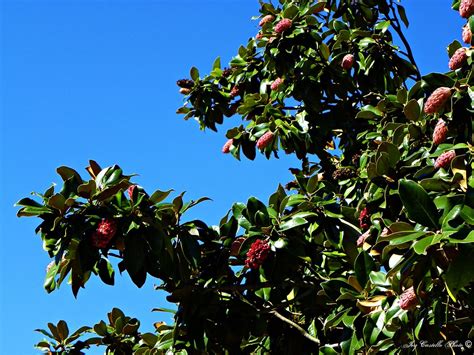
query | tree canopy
(369,248)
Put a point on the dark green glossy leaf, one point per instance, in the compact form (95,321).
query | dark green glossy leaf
(418,204)
(363,266)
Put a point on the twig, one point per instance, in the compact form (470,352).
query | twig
(115,255)
(396,26)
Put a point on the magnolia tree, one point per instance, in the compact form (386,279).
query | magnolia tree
(368,249)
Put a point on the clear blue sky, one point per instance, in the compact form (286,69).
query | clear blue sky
(96,80)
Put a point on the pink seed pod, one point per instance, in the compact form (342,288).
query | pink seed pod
(266,19)
(437,100)
(257,254)
(466,8)
(408,299)
(283,25)
(347,62)
(265,140)
(458,59)
(276,84)
(362,238)
(440,132)
(466,34)
(445,159)
(227,145)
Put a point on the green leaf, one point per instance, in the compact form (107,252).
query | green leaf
(28,202)
(453,47)
(54,331)
(403,237)
(402,95)
(290,12)
(403,15)
(44,332)
(191,250)
(134,258)
(412,110)
(217,63)
(63,330)
(423,244)
(66,173)
(435,80)
(194,73)
(418,204)
(87,190)
(293,223)
(459,273)
(106,271)
(382,26)
(57,201)
(101,328)
(434,184)
(159,196)
(324,51)
(391,150)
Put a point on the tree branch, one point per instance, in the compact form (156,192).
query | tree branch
(396,26)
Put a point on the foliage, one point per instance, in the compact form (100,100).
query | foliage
(321,287)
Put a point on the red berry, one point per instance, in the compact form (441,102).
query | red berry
(276,84)
(458,59)
(364,218)
(466,34)
(259,35)
(347,62)
(440,132)
(362,238)
(265,140)
(266,19)
(283,25)
(437,100)
(445,159)
(408,299)
(227,145)
(104,233)
(257,254)
(466,8)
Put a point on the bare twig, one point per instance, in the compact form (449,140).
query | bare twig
(396,26)
(297,327)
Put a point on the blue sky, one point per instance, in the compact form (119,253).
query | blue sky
(96,80)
